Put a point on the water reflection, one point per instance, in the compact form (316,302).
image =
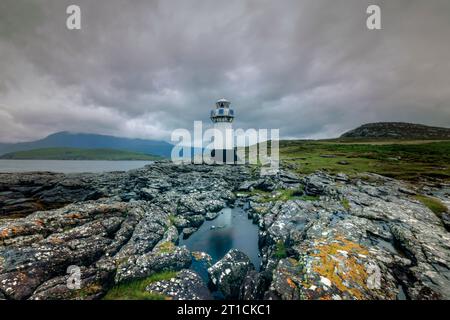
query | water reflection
(231,229)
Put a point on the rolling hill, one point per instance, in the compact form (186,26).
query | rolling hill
(92,141)
(77,154)
(398,130)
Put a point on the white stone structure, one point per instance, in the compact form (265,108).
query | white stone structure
(222,117)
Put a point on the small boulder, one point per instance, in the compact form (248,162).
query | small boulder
(212,215)
(148,193)
(187,232)
(228,274)
(180,222)
(196,220)
(187,285)
(163,258)
(253,286)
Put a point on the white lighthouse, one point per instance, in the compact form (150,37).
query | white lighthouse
(222,117)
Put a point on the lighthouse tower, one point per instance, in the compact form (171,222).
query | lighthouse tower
(222,117)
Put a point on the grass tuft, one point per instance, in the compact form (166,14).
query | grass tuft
(345,204)
(135,290)
(280,251)
(433,204)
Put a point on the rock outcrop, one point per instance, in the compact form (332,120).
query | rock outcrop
(360,239)
(321,236)
(187,285)
(228,274)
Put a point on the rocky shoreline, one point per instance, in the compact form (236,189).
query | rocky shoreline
(321,236)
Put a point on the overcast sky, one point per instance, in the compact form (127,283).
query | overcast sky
(143,68)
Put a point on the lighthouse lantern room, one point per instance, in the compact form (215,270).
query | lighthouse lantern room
(222,117)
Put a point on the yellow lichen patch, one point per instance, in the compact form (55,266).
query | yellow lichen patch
(166,247)
(199,256)
(55,240)
(339,262)
(87,291)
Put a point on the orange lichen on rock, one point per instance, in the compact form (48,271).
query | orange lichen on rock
(39,222)
(339,262)
(4,233)
(291,283)
(74,216)
(15,230)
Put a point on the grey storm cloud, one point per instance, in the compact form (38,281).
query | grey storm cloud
(143,68)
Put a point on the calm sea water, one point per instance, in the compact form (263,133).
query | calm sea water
(69,166)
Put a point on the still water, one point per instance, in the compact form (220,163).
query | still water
(69,166)
(230,230)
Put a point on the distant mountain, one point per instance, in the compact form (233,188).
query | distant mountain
(78,154)
(398,130)
(92,141)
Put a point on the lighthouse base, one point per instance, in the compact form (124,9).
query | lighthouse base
(224,156)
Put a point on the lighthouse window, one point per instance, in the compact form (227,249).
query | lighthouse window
(220,111)
(231,112)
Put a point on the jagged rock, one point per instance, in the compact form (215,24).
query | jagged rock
(187,285)
(229,273)
(365,223)
(402,238)
(128,196)
(196,220)
(216,205)
(253,286)
(315,185)
(187,232)
(247,185)
(266,185)
(79,235)
(335,269)
(148,193)
(212,215)
(181,222)
(162,259)
(93,285)
(341,177)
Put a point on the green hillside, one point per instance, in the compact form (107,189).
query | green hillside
(77,154)
(407,160)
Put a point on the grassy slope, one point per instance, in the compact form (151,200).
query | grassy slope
(407,160)
(77,154)
(135,290)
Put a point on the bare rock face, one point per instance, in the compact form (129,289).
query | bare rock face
(229,273)
(187,285)
(24,193)
(361,239)
(128,235)
(158,260)
(253,286)
(333,270)
(43,245)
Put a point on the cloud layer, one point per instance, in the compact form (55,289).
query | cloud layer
(143,68)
